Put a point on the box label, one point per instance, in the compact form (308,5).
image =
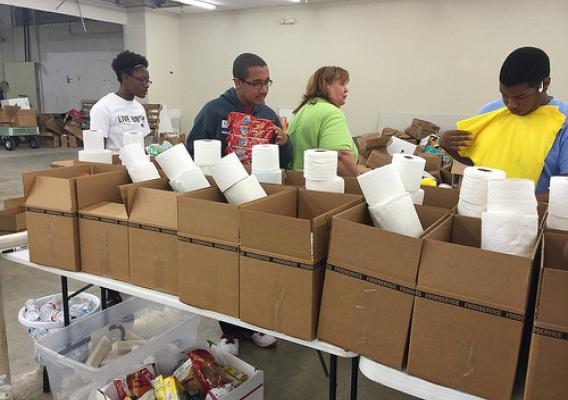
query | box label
(282,261)
(370,279)
(200,242)
(550,333)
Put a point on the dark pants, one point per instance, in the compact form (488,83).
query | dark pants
(234,330)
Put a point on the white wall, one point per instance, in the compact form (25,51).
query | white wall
(423,56)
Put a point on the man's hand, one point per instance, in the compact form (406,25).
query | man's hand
(281,136)
(454,141)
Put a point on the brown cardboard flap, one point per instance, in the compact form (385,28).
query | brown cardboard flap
(65,173)
(295,178)
(53,193)
(14,202)
(13,219)
(114,211)
(313,203)
(101,187)
(441,197)
(128,192)
(155,207)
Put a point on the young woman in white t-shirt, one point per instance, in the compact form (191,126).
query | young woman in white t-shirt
(117,113)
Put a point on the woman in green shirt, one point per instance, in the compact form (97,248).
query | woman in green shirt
(319,123)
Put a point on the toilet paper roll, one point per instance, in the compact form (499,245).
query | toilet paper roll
(143,172)
(509,232)
(228,171)
(102,156)
(398,216)
(206,169)
(133,137)
(272,177)
(320,164)
(132,154)
(381,185)
(190,180)
(470,209)
(558,200)
(265,157)
(248,189)
(410,168)
(206,151)
(511,195)
(418,196)
(334,185)
(93,140)
(554,222)
(174,161)
(474,183)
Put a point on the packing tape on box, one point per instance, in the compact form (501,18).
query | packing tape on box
(509,232)
(132,154)
(284,262)
(558,200)
(175,160)
(143,172)
(206,151)
(381,185)
(93,140)
(334,185)
(190,180)
(320,164)
(410,169)
(418,196)
(101,156)
(248,189)
(265,157)
(398,216)
(272,177)
(133,137)
(550,333)
(228,171)
(473,188)
(511,195)
(554,222)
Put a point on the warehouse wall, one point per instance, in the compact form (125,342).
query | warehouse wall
(435,56)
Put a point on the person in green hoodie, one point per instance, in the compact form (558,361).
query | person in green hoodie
(252,82)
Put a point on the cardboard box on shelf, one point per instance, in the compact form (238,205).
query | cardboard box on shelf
(284,241)
(208,245)
(370,279)
(469,311)
(548,360)
(53,198)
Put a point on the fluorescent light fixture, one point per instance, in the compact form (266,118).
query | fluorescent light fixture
(295,1)
(198,3)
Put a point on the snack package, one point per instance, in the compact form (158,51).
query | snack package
(136,384)
(218,393)
(199,374)
(246,131)
(234,376)
(166,388)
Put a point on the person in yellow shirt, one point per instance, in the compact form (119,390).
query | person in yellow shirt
(523,133)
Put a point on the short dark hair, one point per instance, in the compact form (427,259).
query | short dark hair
(245,61)
(525,65)
(127,62)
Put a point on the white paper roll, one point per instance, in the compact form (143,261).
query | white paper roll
(418,196)
(320,164)
(175,160)
(272,177)
(381,185)
(473,190)
(509,232)
(265,157)
(248,189)
(132,154)
(228,171)
(143,172)
(511,195)
(470,209)
(93,140)
(334,185)
(558,201)
(206,151)
(134,137)
(206,169)
(554,222)
(190,180)
(410,168)
(398,216)
(102,156)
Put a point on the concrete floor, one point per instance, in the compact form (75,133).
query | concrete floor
(291,371)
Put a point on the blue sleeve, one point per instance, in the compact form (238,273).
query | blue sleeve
(285,153)
(563,152)
(494,105)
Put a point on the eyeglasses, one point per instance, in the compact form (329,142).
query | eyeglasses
(144,81)
(258,84)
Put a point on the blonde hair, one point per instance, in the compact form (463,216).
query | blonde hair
(318,82)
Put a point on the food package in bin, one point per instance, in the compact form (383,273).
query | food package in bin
(199,374)
(136,384)
(246,131)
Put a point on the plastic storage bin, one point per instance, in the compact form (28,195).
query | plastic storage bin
(166,331)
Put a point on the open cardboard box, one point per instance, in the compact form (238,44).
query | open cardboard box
(284,242)
(444,198)
(368,292)
(470,311)
(13,216)
(548,359)
(53,198)
(208,246)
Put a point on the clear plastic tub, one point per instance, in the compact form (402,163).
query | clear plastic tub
(166,332)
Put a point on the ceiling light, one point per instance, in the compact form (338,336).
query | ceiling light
(198,3)
(295,1)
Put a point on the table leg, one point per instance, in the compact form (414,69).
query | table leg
(65,299)
(354,377)
(104,293)
(332,377)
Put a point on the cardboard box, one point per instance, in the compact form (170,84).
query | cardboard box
(173,138)
(74,131)
(49,141)
(56,126)
(370,279)
(457,173)
(444,198)
(53,198)
(25,119)
(469,311)
(378,158)
(284,241)
(13,219)
(548,361)
(296,178)
(208,246)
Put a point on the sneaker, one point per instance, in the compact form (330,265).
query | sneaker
(230,345)
(264,341)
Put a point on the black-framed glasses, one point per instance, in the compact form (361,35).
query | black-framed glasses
(258,84)
(144,81)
